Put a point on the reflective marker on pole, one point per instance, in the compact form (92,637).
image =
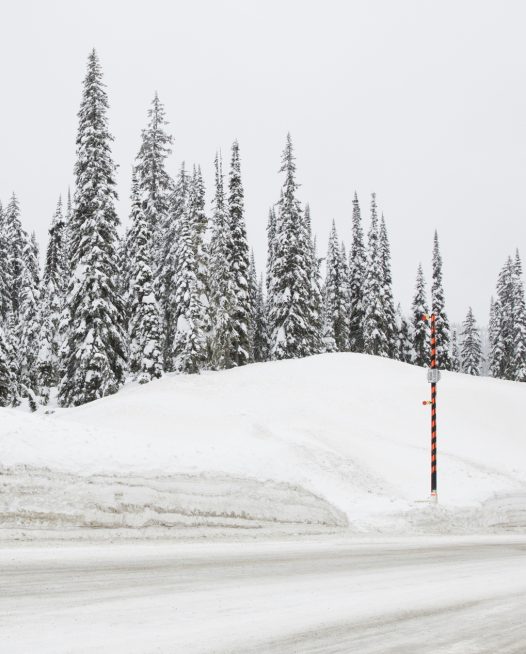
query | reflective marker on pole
(433,377)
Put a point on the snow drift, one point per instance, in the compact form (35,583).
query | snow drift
(328,442)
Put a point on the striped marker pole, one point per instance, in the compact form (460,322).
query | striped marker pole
(433,412)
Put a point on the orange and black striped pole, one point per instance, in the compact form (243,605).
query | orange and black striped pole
(434,380)
(433,375)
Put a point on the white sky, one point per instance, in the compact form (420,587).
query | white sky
(423,102)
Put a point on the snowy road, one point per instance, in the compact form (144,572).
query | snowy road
(454,596)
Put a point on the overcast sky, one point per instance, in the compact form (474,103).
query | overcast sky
(422,102)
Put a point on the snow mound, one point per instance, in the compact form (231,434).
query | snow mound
(327,441)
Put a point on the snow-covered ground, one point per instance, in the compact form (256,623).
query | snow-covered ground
(328,443)
(373,596)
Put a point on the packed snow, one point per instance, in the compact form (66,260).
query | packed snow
(335,442)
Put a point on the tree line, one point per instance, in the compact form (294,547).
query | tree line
(179,292)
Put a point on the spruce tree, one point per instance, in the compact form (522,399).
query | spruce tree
(496,349)
(5,272)
(504,346)
(239,263)
(438,309)
(420,326)
(261,336)
(191,318)
(357,271)
(52,304)
(518,363)
(389,326)
(7,377)
(315,309)
(94,352)
(471,350)
(145,355)
(252,292)
(155,184)
(374,323)
(455,353)
(29,320)
(16,240)
(223,280)
(404,345)
(336,297)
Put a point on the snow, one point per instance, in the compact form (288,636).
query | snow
(328,443)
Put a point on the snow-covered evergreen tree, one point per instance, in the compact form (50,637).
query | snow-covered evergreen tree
(357,271)
(16,240)
(7,376)
(455,353)
(518,361)
(336,297)
(223,280)
(438,309)
(419,308)
(94,352)
(374,323)
(389,327)
(191,319)
(471,350)
(52,303)
(144,326)
(5,272)
(404,344)
(261,336)
(155,184)
(291,317)
(253,293)
(239,263)
(502,350)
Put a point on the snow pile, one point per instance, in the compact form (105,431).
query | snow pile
(325,442)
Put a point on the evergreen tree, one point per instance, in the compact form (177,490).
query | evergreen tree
(94,353)
(455,353)
(223,280)
(496,351)
(290,281)
(29,320)
(52,303)
(16,240)
(374,324)
(357,271)
(252,292)
(420,326)
(169,266)
(145,357)
(502,351)
(438,309)
(404,344)
(389,326)
(471,350)
(336,297)
(7,378)
(191,305)
(5,272)
(261,336)
(155,184)
(315,325)
(518,363)
(239,263)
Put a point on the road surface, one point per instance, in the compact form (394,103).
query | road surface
(443,596)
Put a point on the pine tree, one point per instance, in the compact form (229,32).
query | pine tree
(94,353)
(471,351)
(169,265)
(438,309)
(191,304)
(223,286)
(420,326)
(502,352)
(404,344)
(5,272)
(155,184)
(290,281)
(496,350)
(16,239)
(455,353)
(518,363)
(261,336)
(315,307)
(336,297)
(253,293)
(52,304)
(239,263)
(357,271)
(375,336)
(7,378)
(29,320)
(145,356)
(389,326)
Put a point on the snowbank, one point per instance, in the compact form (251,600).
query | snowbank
(333,441)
